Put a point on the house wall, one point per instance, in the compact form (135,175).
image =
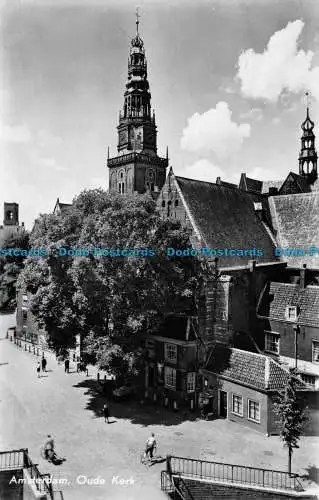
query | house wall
(287,338)
(216,384)
(27,328)
(186,362)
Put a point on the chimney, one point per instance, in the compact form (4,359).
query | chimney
(218,180)
(267,372)
(303,276)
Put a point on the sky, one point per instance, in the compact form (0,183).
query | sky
(228,81)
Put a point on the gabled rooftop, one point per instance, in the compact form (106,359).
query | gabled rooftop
(255,370)
(277,296)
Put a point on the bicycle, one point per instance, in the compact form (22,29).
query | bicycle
(147,460)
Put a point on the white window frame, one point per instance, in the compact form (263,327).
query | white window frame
(314,349)
(275,335)
(191,381)
(242,405)
(305,376)
(248,413)
(170,377)
(295,310)
(168,349)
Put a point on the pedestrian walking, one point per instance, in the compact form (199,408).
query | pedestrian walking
(44,364)
(38,369)
(106,412)
(67,366)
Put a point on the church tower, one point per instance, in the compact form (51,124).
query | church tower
(137,167)
(308,154)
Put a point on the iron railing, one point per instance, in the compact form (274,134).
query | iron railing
(232,473)
(19,459)
(14,459)
(172,487)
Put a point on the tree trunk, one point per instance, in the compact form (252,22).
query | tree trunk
(289,459)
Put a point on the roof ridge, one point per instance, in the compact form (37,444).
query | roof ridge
(295,194)
(207,182)
(250,352)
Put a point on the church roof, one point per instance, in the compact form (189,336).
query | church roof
(249,368)
(296,222)
(225,217)
(300,181)
(277,296)
(249,184)
(60,207)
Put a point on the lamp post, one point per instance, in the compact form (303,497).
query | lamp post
(297,331)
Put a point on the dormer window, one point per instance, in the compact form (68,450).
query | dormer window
(291,313)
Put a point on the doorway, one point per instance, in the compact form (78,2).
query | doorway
(223,404)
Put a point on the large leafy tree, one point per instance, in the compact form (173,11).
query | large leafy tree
(110,301)
(291,409)
(10,268)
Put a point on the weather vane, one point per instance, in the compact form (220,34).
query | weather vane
(308,99)
(137,19)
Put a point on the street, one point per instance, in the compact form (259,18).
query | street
(67,407)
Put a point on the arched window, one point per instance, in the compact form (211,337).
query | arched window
(152,186)
(163,203)
(151,174)
(169,203)
(176,203)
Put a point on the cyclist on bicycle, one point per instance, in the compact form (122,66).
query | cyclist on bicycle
(151,446)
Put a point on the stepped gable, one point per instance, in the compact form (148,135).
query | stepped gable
(277,296)
(295,219)
(225,218)
(249,368)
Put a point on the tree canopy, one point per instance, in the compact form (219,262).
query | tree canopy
(10,268)
(110,301)
(291,409)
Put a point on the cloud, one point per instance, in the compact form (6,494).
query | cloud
(265,174)
(280,67)
(253,114)
(51,164)
(19,134)
(202,170)
(214,131)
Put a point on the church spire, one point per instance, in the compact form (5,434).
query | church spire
(136,114)
(308,154)
(137,167)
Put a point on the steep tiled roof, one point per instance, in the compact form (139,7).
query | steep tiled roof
(225,218)
(296,220)
(255,370)
(249,184)
(277,296)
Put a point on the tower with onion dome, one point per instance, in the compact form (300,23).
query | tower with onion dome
(308,154)
(137,166)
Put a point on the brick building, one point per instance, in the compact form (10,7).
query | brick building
(242,385)
(290,316)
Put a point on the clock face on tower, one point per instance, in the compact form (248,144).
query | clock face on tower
(123,136)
